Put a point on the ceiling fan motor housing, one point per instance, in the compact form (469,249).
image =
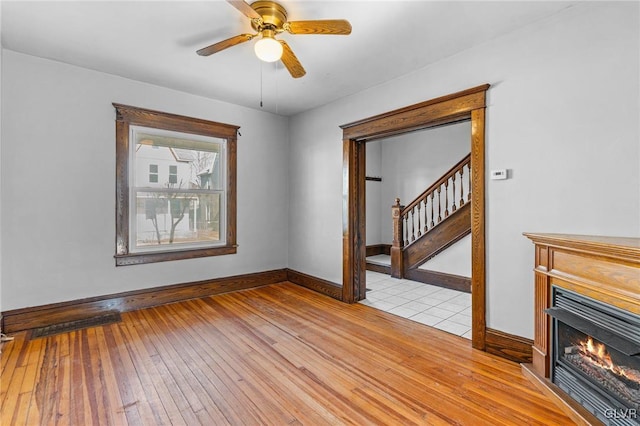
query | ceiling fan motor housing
(273,15)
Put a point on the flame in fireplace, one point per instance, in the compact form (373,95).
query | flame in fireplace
(597,354)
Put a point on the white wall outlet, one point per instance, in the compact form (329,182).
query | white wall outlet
(499,174)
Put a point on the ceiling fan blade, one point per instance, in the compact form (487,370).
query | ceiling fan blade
(224,44)
(291,62)
(328,26)
(245,9)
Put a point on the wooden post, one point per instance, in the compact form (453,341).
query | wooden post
(397,269)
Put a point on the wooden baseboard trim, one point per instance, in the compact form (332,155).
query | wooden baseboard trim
(509,346)
(56,313)
(314,283)
(376,249)
(379,268)
(455,282)
(580,415)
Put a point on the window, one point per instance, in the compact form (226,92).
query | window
(173,174)
(153,173)
(175,187)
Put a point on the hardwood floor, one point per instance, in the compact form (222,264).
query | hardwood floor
(279,354)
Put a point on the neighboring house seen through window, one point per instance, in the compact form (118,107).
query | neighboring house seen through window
(187,212)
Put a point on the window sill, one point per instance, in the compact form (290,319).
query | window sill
(163,256)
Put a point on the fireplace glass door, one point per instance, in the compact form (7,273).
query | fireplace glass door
(596,352)
(607,369)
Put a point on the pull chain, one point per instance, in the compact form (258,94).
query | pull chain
(260,84)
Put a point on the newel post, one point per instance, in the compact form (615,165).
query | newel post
(398,241)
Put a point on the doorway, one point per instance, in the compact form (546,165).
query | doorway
(436,292)
(466,105)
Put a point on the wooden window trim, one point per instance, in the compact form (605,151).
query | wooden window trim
(127,116)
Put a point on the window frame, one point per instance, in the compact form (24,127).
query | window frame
(127,116)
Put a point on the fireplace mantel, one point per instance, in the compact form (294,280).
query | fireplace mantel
(606,269)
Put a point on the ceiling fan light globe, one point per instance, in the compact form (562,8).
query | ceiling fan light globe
(268,49)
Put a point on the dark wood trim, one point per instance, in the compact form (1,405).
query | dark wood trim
(179,123)
(163,256)
(354,221)
(125,117)
(314,283)
(374,267)
(478,248)
(376,249)
(509,346)
(468,104)
(440,279)
(438,111)
(568,405)
(397,244)
(625,249)
(56,313)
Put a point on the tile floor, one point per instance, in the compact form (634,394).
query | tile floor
(442,308)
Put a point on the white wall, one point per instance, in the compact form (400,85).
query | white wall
(58,184)
(456,259)
(563,114)
(373,193)
(412,162)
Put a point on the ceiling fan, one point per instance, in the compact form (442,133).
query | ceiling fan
(269,19)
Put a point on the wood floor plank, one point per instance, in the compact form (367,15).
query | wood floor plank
(167,372)
(191,381)
(10,356)
(284,374)
(164,409)
(279,354)
(219,347)
(31,378)
(10,405)
(111,396)
(267,413)
(65,414)
(94,367)
(136,405)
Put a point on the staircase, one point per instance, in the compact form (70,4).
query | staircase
(433,221)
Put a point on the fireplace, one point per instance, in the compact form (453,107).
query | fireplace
(595,356)
(587,286)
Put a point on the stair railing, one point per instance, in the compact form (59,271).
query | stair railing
(428,209)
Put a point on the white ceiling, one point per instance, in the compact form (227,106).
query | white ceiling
(155,42)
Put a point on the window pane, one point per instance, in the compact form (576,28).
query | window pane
(173,174)
(174,218)
(153,173)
